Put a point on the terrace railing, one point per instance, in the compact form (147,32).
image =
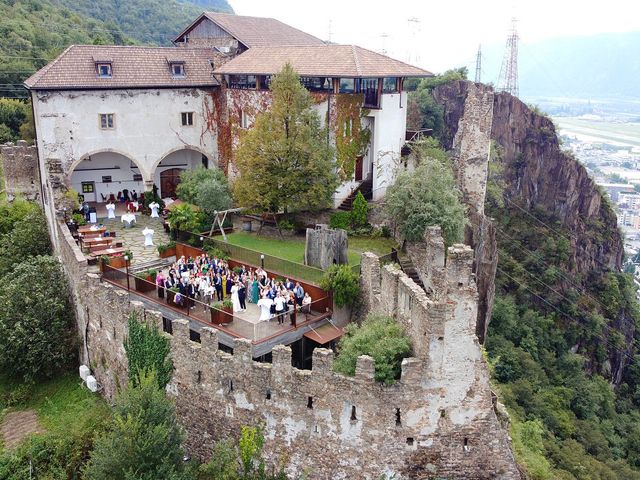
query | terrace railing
(210,315)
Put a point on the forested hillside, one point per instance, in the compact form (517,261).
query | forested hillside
(33,32)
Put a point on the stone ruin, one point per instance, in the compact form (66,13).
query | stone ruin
(325,246)
(436,421)
(20,170)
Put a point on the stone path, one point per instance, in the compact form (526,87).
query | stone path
(18,425)
(133,239)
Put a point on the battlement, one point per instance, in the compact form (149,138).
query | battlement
(20,167)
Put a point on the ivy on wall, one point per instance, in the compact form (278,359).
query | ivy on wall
(352,139)
(147,350)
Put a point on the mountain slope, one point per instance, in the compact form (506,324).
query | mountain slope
(33,32)
(599,66)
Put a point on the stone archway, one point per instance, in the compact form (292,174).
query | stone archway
(168,169)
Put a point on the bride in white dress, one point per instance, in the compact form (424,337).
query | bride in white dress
(234,298)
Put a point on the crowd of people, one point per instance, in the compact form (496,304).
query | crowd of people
(209,280)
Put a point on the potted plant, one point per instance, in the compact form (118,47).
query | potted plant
(222,312)
(167,250)
(143,282)
(171,293)
(117,261)
(104,260)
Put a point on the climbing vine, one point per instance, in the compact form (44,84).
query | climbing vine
(351,138)
(147,350)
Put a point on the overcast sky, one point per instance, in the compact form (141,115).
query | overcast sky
(446,32)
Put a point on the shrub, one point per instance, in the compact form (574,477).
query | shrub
(379,337)
(385,231)
(37,326)
(359,211)
(340,220)
(28,238)
(215,252)
(286,224)
(427,196)
(147,350)
(344,283)
(79,219)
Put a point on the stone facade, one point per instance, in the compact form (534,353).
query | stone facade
(436,421)
(325,246)
(20,170)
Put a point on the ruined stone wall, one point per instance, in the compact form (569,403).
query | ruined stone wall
(468,114)
(20,171)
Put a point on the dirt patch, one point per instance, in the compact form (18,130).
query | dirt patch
(18,425)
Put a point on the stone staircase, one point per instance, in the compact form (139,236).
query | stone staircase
(366,187)
(156,264)
(407,267)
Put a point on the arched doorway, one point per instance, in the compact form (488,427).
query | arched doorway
(168,169)
(169,180)
(102,175)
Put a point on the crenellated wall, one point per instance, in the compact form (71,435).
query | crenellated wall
(437,420)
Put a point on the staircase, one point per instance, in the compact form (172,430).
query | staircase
(157,264)
(366,187)
(407,267)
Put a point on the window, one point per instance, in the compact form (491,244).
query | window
(347,85)
(137,177)
(244,82)
(106,179)
(244,119)
(88,187)
(317,84)
(369,87)
(265,82)
(106,121)
(177,69)
(104,70)
(187,119)
(348,126)
(389,85)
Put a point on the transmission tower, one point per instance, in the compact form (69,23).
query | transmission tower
(508,80)
(479,65)
(414,30)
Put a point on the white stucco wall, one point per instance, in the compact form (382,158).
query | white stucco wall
(147,125)
(390,125)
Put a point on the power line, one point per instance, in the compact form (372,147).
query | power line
(508,80)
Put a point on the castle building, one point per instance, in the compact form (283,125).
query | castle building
(110,118)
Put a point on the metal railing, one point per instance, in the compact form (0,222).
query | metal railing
(279,266)
(212,315)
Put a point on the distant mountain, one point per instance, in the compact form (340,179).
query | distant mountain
(33,32)
(598,67)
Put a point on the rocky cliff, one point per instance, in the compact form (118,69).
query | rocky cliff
(548,188)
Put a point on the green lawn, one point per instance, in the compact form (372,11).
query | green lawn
(63,405)
(292,249)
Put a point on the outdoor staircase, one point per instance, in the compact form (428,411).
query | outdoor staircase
(156,264)
(366,187)
(408,268)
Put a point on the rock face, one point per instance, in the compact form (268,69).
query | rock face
(539,177)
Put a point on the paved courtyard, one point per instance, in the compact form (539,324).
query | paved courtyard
(133,239)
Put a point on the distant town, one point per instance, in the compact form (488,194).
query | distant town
(606,139)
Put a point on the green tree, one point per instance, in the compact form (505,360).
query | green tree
(147,350)
(380,337)
(37,327)
(184,217)
(427,196)
(28,238)
(344,283)
(205,188)
(13,113)
(359,211)
(144,440)
(285,161)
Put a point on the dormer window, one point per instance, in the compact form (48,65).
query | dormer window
(104,70)
(177,69)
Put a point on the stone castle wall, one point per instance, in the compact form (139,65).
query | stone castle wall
(20,170)
(436,420)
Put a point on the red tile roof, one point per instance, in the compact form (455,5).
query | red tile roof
(321,60)
(132,67)
(257,31)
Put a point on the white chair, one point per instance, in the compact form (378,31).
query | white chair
(154,209)
(111,210)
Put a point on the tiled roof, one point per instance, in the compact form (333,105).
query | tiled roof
(323,61)
(132,67)
(257,31)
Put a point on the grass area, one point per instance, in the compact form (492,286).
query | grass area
(625,133)
(292,249)
(63,405)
